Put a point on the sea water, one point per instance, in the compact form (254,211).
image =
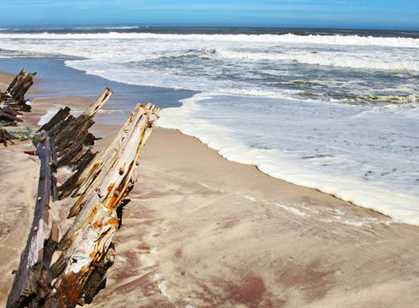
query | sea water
(332,110)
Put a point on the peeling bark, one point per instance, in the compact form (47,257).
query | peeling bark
(70,271)
(89,238)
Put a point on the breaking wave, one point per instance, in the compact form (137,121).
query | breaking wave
(343,40)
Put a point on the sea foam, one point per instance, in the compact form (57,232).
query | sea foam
(345,40)
(365,156)
(332,112)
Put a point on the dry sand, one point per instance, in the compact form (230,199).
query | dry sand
(201,231)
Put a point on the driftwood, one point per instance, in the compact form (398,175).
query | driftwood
(31,279)
(32,275)
(86,250)
(18,88)
(12,102)
(6,138)
(72,142)
(66,272)
(9,115)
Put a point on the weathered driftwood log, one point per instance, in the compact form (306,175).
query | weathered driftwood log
(72,141)
(31,280)
(12,102)
(9,116)
(71,271)
(18,88)
(6,138)
(58,118)
(85,250)
(33,276)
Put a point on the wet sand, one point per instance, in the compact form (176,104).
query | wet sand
(201,231)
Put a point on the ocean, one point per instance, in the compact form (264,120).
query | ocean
(335,110)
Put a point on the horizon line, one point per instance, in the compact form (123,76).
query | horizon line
(198,26)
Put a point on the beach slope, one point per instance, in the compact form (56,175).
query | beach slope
(201,231)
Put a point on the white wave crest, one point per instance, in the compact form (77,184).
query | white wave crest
(327,59)
(345,40)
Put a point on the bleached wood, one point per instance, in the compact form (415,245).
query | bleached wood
(98,104)
(82,257)
(32,263)
(89,238)
(33,276)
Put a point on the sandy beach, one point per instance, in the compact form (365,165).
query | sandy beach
(201,231)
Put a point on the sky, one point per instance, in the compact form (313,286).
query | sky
(367,14)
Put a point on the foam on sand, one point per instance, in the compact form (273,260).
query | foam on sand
(317,151)
(333,112)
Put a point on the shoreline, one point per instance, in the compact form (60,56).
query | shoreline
(348,188)
(204,231)
(279,179)
(394,202)
(78,103)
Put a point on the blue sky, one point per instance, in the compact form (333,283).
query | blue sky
(390,14)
